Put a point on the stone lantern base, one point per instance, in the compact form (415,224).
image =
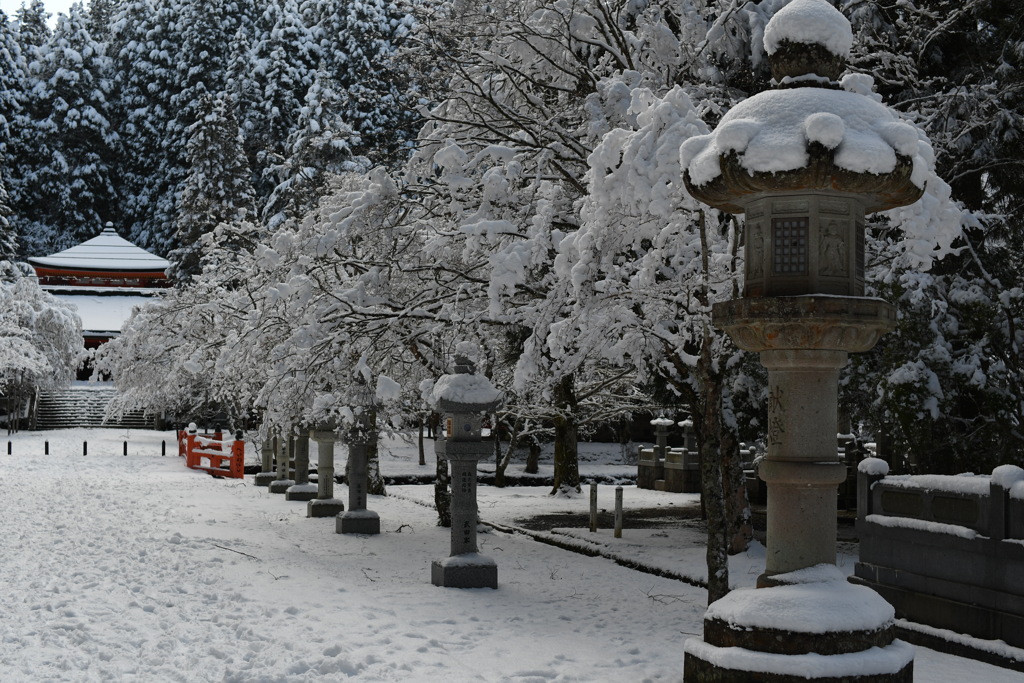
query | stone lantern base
(301,492)
(817,627)
(470,570)
(264,478)
(281,485)
(358,522)
(324,507)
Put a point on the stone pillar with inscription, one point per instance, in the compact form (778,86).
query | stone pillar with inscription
(805,162)
(462,397)
(361,436)
(325,504)
(301,490)
(285,453)
(267,451)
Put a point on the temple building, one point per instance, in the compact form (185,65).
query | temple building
(104,278)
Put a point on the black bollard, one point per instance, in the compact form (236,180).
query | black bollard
(8,448)
(163,448)
(85,448)
(126,448)
(46,448)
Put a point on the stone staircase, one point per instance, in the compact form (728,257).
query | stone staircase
(84,406)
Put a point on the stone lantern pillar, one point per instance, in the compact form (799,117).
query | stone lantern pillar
(267,450)
(462,397)
(325,504)
(285,453)
(301,490)
(804,162)
(357,519)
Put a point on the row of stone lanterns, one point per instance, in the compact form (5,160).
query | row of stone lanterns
(462,397)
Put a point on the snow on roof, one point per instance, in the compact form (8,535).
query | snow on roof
(809,21)
(103,314)
(771,131)
(107,251)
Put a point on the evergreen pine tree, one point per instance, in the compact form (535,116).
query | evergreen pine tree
(12,75)
(285,58)
(320,147)
(8,240)
(359,40)
(64,191)
(144,43)
(217,190)
(33,31)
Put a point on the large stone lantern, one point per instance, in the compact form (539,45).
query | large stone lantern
(805,162)
(462,397)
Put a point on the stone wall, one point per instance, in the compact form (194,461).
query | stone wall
(947,552)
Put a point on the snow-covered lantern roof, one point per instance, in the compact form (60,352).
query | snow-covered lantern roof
(807,160)
(464,396)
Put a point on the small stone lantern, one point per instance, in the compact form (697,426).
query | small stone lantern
(804,162)
(462,397)
(357,519)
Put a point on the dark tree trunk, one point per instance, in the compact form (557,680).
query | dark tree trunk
(423,455)
(567,465)
(533,457)
(741,531)
(443,494)
(375,482)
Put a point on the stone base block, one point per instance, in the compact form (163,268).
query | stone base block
(809,625)
(301,492)
(281,485)
(465,571)
(324,507)
(358,522)
(264,478)
(706,663)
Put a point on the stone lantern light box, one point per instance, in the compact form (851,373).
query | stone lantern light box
(807,161)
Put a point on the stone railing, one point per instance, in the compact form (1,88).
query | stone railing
(677,472)
(946,551)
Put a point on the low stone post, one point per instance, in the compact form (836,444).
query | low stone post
(357,519)
(284,456)
(325,504)
(301,490)
(463,397)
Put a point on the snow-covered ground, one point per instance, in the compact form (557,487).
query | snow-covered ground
(137,569)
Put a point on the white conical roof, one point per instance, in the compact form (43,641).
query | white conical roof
(107,251)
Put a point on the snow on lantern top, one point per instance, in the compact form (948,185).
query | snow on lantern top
(807,32)
(809,133)
(463,391)
(807,161)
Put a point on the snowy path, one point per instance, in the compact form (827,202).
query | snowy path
(137,569)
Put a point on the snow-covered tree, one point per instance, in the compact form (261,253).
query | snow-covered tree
(8,238)
(144,40)
(285,57)
(359,41)
(319,148)
(64,189)
(40,337)
(217,189)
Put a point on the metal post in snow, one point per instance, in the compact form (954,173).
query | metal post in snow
(46,448)
(85,448)
(618,512)
(593,506)
(126,448)
(163,448)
